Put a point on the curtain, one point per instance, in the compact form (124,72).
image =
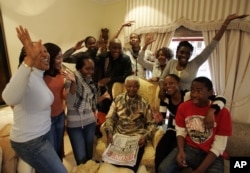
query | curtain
(229,66)
(161,40)
(162,16)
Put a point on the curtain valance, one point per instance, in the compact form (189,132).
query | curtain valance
(209,26)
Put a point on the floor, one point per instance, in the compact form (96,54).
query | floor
(68,160)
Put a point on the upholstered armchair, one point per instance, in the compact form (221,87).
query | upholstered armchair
(149,91)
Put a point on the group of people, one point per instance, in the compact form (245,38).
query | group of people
(198,125)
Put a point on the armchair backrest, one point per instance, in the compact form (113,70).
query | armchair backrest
(148,90)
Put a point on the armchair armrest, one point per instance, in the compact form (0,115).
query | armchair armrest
(157,137)
(104,135)
(101,144)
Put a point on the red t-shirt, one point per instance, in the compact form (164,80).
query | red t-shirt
(191,117)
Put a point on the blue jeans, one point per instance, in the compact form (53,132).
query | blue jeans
(194,157)
(40,154)
(82,142)
(57,132)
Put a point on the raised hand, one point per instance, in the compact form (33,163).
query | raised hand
(233,17)
(68,75)
(128,23)
(79,45)
(149,38)
(101,44)
(229,18)
(33,49)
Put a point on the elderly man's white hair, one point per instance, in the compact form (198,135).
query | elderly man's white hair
(133,78)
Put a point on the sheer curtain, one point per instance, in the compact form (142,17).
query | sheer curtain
(230,71)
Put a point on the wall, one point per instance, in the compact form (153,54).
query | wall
(63,22)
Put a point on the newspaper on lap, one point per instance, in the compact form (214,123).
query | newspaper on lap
(123,151)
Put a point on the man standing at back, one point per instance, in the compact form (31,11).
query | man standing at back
(116,66)
(134,50)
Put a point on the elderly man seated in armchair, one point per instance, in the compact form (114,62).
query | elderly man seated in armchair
(131,115)
(148,91)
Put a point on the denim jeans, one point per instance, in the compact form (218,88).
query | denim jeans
(57,132)
(82,142)
(40,154)
(194,157)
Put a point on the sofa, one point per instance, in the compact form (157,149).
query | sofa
(149,92)
(9,161)
(238,144)
(8,157)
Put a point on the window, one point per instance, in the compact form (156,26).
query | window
(199,45)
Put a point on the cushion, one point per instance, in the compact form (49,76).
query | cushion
(101,117)
(148,155)
(6,116)
(24,167)
(117,89)
(5,131)
(157,137)
(89,167)
(9,162)
(142,169)
(109,168)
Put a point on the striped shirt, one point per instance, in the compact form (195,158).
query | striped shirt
(130,116)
